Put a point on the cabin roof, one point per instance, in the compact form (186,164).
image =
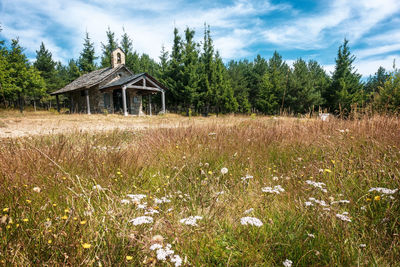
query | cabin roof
(89,79)
(125,80)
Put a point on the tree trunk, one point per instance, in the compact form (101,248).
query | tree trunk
(21,104)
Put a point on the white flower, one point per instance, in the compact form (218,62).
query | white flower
(224,170)
(136,197)
(37,189)
(163,253)
(220,193)
(308,203)
(97,187)
(276,190)
(247,177)
(363,208)
(141,220)
(125,201)
(248,211)
(382,190)
(344,217)
(319,185)
(161,200)
(344,201)
(177,260)
(363,245)
(311,235)
(320,202)
(141,206)
(287,263)
(251,221)
(275,178)
(151,212)
(155,246)
(192,220)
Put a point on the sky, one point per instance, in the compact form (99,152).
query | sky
(240,29)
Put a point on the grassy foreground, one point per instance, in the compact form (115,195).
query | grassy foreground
(309,189)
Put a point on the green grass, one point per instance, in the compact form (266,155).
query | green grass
(184,165)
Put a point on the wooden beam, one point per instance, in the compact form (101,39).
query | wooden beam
(144,88)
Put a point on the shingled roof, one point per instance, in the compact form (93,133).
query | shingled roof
(128,79)
(88,80)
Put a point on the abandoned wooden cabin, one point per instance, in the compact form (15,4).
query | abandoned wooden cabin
(111,90)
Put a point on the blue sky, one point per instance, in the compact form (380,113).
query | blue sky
(240,29)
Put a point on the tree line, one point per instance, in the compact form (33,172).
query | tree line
(199,82)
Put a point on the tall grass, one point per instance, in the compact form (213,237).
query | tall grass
(78,218)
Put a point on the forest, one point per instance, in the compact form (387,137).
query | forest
(200,82)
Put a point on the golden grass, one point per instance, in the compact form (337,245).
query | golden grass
(73,221)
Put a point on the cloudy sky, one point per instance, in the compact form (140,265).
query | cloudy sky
(240,29)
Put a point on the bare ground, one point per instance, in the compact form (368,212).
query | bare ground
(13,124)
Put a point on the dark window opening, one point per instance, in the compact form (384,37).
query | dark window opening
(118,58)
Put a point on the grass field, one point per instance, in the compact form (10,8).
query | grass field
(266,191)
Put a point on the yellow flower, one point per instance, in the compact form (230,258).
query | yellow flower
(5,209)
(54,205)
(210,172)
(129,258)
(25,220)
(83,222)
(28,201)
(368,199)
(332,161)
(167,176)
(75,218)
(64,217)
(377,198)
(17,225)
(66,210)
(8,226)
(118,172)
(47,219)
(328,170)
(86,245)
(50,241)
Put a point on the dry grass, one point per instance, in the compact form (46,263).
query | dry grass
(183,163)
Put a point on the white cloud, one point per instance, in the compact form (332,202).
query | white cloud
(378,50)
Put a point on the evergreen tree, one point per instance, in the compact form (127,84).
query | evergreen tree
(108,48)
(72,70)
(5,80)
(388,97)
(225,101)
(255,78)
(87,58)
(375,82)
(45,64)
(346,87)
(238,75)
(131,57)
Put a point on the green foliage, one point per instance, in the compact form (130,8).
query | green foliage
(346,88)
(108,48)
(87,57)
(387,99)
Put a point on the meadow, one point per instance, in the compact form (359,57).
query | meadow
(229,191)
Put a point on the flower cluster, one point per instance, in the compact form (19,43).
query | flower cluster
(275,190)
(251,221)
(319,185)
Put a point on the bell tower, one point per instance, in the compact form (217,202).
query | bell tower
(117,58)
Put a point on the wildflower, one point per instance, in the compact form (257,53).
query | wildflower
(275,178)
(246,177)
(86,245)
(210,172)
(83,222)
(64,217)
(67,210)
(163,253)
(344,201)
(177,260)
(344,217)
(251,221)
(155,246)
(311,235)
(248,211)
(192,220)
(327,170)
(363,245)
(287,263)
(75,218)
(368,199)
(129,258)
(220,193)
(308,203)
(136,197)
(28,201)
(142,220)
(119,173)
(157,239)
(319,185)
(97,187)
(151,212)
(276,190)
(320,202)
(25,220)
(224,170)
(161,200)
(49,241)
(5,209)
(382,190)
(36,189)
(54,205)
(363,208)
(377,198)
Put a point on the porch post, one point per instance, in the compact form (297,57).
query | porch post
(87,102)
(71,104)
(58,104)
(163,101)
(150,104)
(124,100)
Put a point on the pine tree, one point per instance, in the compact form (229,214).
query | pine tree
(87,57)
(238,75)
(45,64)
(388,97)
(108,48)
(72,70)
(346,87)
(375,82)
(131,57)
(5,80)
